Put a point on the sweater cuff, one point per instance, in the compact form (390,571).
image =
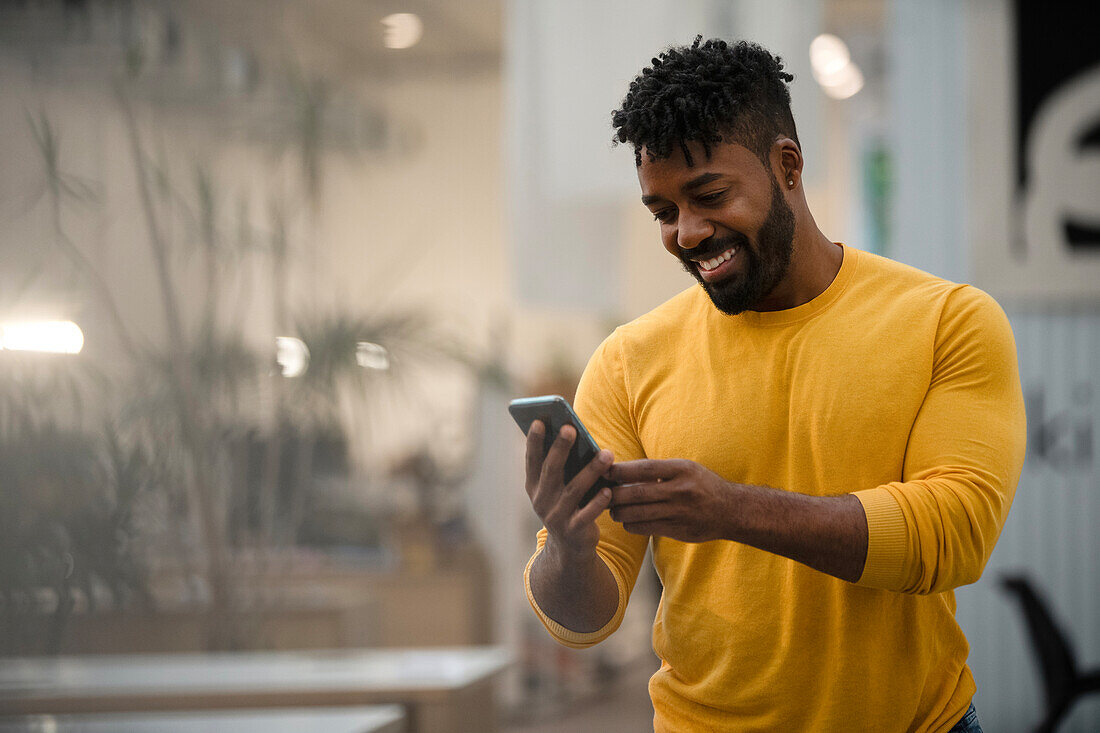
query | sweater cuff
(568,637)
(887,538)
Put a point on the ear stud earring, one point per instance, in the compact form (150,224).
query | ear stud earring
(790,183)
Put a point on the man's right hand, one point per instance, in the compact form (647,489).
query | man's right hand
(571,528)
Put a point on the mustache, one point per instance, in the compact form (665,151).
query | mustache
(713,246)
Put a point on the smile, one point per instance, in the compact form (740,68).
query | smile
(714,262)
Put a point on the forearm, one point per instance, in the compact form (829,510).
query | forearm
(826,533)
(580,593)
(684,501)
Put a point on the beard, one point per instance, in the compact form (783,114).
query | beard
(764,265)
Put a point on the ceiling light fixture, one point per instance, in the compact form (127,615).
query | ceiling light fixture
(292,356)
(51,337)
(402,30)
(833,67)
(372,356)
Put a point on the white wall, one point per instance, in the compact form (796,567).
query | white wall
(927,127)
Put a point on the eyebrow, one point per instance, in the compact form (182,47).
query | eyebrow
(699,180)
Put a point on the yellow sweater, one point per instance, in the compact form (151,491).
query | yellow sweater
(893,385)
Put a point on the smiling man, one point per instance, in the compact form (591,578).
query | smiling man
(818,444)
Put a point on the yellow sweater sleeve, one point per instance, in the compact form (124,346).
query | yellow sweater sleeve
(603,406)
(935,529)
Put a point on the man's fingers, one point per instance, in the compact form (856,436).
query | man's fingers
(635,513)
(646,469)
(645,493)
(587,476)
(591,511)
(645,528)
(535,436)
(554,463)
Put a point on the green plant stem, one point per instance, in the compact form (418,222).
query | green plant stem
(208,230)
(85,266)
(200,482)
(273,467)
(157,245)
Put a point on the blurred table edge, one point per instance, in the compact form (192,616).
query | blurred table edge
(350,719)
(442,689)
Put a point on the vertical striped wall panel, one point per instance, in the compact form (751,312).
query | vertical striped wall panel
(1053,529)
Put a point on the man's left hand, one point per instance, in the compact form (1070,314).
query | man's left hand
(673,498)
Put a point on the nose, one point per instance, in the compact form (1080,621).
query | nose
(692,230)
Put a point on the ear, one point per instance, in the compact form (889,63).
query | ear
(787,162)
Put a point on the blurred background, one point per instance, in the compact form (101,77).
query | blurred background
(270,271)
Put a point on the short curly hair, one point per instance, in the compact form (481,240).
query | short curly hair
(710,92)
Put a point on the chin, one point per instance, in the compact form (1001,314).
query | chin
(734,295)
(730,298)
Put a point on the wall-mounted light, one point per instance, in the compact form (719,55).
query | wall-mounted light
(833,67)
(372,356)
(52,337)
(292,356)
(402,30)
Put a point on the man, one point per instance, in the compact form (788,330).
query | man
(819,443)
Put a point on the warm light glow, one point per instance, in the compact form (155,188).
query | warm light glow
(844,83)
(403,30)
(372,356)
(292,355)
(833,67)
(828,54)
(53,337)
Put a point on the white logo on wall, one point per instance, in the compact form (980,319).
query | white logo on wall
(1063,191)
(1034,123)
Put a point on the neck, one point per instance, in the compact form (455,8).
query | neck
(815,261)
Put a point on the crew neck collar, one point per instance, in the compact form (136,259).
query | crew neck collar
(811,308)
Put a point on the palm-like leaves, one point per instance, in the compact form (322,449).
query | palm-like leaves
(79,456)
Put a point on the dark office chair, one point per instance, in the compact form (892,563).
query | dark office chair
(1063,682)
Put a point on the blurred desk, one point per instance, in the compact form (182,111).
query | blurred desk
(368,719)
(444,689)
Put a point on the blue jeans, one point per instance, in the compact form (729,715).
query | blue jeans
(969,722)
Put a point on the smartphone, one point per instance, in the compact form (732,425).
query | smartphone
(555,412)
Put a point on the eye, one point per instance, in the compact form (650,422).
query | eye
(664,215)
(711,198)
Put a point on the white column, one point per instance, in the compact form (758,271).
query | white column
(927,129)
(568,65)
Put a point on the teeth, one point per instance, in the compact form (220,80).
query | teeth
(713,263)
